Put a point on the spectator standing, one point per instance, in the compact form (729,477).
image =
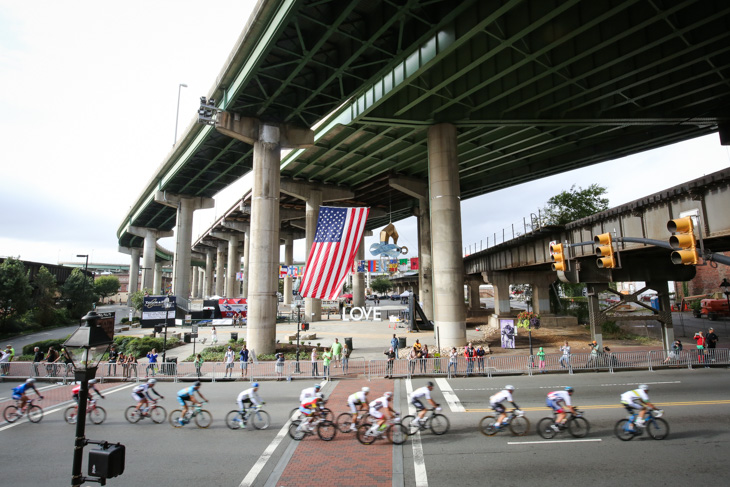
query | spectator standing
(412,357)
(701,343)
(37,359)
(394,344)
(565,358)
(541,359)
(113,356)
(228,357)
(315,368)
(9,348)
(4,362)
(470,355)
(480,359)
(152,363)
(214,336)
(132,364)
(453,357)
(65,357)
(345,358)
(326,359)
(198,362)
(593,359)
(51,359)
(711,340)
(424,356)
(243,358)
(337,352)
(279,366)
(390,354)
(122,360)
(674,354)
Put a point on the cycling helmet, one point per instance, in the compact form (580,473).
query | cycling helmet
(255,384)
(569,389)
(388,394)
(365,390)
(317,387)
(152,382)
(644,387)
(30,381)
(320,395)
(93,381)
(429,384)
(509,388)
(197,383)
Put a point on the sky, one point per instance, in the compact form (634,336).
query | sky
(89,92)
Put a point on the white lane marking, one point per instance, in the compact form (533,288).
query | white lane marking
(264,458)
(419,462)
(557,386)
(451,398)
(551,442)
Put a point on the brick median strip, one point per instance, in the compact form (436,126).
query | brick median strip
(344,461)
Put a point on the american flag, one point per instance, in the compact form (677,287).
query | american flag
(339,231)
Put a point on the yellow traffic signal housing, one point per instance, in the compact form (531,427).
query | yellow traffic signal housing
(683,241)
(604,251)
(557,252)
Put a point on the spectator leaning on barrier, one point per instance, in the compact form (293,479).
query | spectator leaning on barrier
(229,355)
(389,366)
(4,362)
(453,357)
(37,358)
(565,359)
(470,355)
(480,358)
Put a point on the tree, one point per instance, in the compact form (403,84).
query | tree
(106,286)
(381,285)
(575,204)
(136,299)
(46,289)
(15,289)
(79,291)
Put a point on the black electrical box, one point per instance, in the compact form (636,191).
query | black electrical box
(107,462)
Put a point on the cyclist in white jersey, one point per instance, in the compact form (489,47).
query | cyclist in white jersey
(637,399)
(418,396)
(358,401)
(141,393)
(309,393)
(249,397)
(560,401)
(496,402)
(381,410)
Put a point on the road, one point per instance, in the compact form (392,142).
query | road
(696,404)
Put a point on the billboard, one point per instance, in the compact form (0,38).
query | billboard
(231,306)
(153,311)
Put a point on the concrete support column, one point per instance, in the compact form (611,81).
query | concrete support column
(246,254)
(157,283)
(288,261)
(208,291)
(358,280)
(150,236)
(448,263)
(220,269)
(594,312)
(194,287)
(133,285)
(312,306)
(201,282)
(665,312)
(541,292)
(473,284)
(500,284)
(186,206)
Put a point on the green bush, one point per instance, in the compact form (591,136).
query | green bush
(124,320)
(44,344)
(140,346)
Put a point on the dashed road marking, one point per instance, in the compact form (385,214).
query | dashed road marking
(451,399)
(553,442)
(419,462)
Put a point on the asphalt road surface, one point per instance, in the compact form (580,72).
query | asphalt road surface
(696,404)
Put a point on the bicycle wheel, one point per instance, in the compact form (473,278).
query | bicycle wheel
(544,428)
(657,429)
(260,419)
(519,425)
(397,434)
(487,426)
(344,422)
(293,412)
(203,419)
(132,415)
(622,432)
(364,436)
(328,415)
(233,419)
(175,418)
(11,414)
(439,424)
(69,415)
(579,427)
(158,414)
(409,423)
(97,415)
(326,430)
(294,432)
(35,414)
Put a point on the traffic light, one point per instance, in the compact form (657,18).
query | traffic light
(304,327)
(557,251)
(604,251)
(683,241)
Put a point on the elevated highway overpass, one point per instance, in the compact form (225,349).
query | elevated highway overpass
(452,99)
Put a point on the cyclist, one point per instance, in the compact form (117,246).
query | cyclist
(92,388)
(359,398)
(417,397)
(496,402)
(560,402)
(20,395)
(381,410)
(188,395)
(637,399)
(141,394)
(309,393)
(310,409)
(247,398)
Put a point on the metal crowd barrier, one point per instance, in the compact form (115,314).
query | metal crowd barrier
(387,368)
(428,366)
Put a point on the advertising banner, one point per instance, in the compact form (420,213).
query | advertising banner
(153,311)
(232,306)
(414,263)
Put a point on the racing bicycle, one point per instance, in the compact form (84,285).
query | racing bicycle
(626,429)
(259,418)
(202,417)
(516,421)
(95,414)
(394,431)
(13,412)
(433,420)
(344,420)
(156,413)
(576,425)
(325,429)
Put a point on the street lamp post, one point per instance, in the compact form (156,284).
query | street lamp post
(726,290)
(87,346)
(177,113)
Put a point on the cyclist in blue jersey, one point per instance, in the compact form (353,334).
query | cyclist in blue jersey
(188,395)
(19,392)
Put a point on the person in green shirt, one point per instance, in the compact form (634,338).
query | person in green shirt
(541,359)
(198,364)
(326,358)
(337,352)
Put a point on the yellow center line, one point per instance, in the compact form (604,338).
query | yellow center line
(619,406)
